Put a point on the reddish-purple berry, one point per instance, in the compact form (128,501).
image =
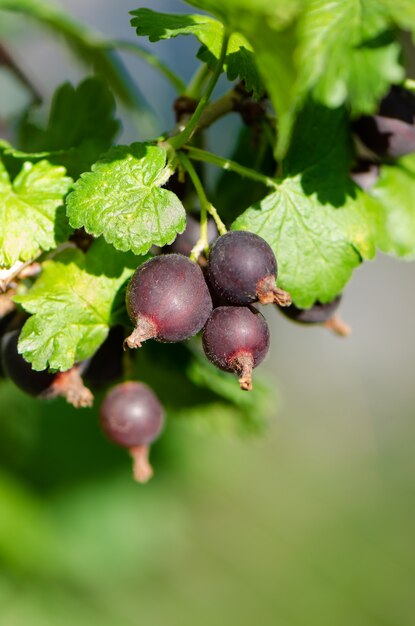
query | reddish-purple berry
(167,300)
(133,417)
(242,268)
(236,339)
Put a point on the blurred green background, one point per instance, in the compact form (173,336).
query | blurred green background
(313,523)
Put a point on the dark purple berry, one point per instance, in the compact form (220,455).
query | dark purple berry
(132,417)
(20,371)
(167,300)
(391,132)
(365,174)
(236,339)
(184,243)
(242,268)
(319,313)
(43,384)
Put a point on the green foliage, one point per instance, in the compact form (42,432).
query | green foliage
(122,200)
(347,52)
(34,197)
(240,60)
(395,193)
(72,305)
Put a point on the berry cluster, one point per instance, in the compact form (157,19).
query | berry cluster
(171,298)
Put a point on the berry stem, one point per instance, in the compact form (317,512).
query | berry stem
(142,469)
(202,245)
(243,364)
(182,138)
(145,329)
(338,326)
(205,205)
(197,82)
(223,105)
(69,385)
(196,154)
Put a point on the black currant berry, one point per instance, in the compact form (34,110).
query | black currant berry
(132,417)
(42,384)
(236,339)
(243,269)
(20,371)
(319,313)
(184,243)
(391,132)
(167,300)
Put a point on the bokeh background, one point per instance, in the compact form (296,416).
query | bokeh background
(312,523)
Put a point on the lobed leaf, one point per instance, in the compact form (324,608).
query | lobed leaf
(121,199)
(395,195)
(32,218)
(240,60)
(72,305)
(347,52)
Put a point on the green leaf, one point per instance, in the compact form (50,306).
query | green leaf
(72,303)
(403,13)
(270,29)
(395,194)
(317,221)
(81,125)
(240,60)
(121,199)
(343,50)
(346,53)
(32,218)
